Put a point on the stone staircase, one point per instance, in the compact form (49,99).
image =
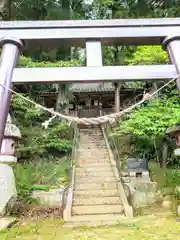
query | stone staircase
(96,196)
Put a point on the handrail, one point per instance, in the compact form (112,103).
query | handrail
(116,165)
(68,191)
(113,146)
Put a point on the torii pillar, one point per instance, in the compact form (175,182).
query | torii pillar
(10,52)
(172,44)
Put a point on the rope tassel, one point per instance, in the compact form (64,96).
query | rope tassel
(47,122)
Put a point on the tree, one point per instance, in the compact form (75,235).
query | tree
(139,8)
(5,9)
(147,124)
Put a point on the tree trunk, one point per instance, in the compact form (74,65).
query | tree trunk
(63,54)
(58,99)
(164,156)
(66,13)
(10,10)
(5,9)
(154,88)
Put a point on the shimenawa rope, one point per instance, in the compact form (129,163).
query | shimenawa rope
(90,121)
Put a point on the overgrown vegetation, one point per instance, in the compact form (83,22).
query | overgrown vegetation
(41,152)
(165,178)
(37,141)
(40,174)
(148,125)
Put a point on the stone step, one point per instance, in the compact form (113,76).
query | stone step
(94,223)
(90,128)
(98,186)
(96,201)
(94,174)
(92,161)
(92,137)
(96,193)
(86,164)
(97,158)
(93,169)
(97,209)
(98,219)
(94,147)
(93,151)
(97,131)
(91,141)
(89,134)
(93,154)
(95,179)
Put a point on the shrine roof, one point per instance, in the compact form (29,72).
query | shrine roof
(93,87)
(107,87)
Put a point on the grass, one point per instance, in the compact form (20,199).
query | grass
(165,178)
(40,174)
(144,228)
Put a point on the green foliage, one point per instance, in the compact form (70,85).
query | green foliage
(165,178)
(27,62)
(153,119)
(64,93)
(49,10)
(145,55)
(40,149)
(40,175)
(148,55)
(172,177)
(138,9)
(147,127)
(37,141)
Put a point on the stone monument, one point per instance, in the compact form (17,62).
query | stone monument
(140,190)
(136,168)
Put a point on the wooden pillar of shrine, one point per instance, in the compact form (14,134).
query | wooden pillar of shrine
(117,97)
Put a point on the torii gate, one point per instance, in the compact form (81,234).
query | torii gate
(90,34)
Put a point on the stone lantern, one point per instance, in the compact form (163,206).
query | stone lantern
(7,159)
(175,132)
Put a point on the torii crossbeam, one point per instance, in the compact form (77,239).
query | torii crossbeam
(91,34)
